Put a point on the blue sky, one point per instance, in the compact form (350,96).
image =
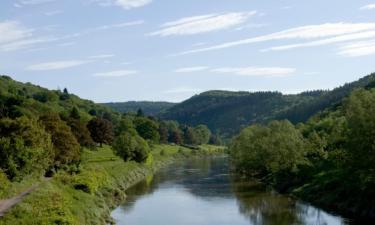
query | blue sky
(120,50)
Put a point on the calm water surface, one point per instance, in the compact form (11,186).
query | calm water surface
(202,192)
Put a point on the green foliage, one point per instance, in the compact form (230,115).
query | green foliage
(276,148)
(147,128)
(4,182)
(148,108)
(90,180)
(81,132)
(130,147)
(125,125)
(101,130)
(65,146)
(24,147)
(202,134)
(360,112)
(226,113)
(46,96)
(190,137)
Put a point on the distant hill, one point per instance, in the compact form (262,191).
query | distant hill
(149,108)
(227,112)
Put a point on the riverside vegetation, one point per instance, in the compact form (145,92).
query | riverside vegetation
(93,153)
(57,135)
(329,160)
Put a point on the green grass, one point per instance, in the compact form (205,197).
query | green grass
(89,196)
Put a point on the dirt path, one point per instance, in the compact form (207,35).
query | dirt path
(7,204)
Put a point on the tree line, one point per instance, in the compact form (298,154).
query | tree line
(328,160)
(43,131)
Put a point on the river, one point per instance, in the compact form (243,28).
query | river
(203,192)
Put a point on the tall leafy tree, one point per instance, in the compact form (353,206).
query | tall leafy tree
(65,146)
(101,131)
(25,147)
(147,128)
(130,147)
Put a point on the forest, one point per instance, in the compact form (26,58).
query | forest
(44,131)
(330,156)
(53,133)
(226,112)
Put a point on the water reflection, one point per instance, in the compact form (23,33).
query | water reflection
(202,192)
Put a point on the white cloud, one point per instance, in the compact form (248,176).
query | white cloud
(191,69)
(56,65)
(12,31)
(103,56)
(368,7)
(119,25)
(257,71)
(203,24)
(303,32)
(337,39)
(116,73)
(14,36)
(180,90)
(357,49)
(52,13)
(25,43)
(125,4)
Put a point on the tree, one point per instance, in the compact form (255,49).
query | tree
(140,113)
(25,147)
(101,131)
(125,125)
(274,149)
(65,146)
(80,132)
(147,128)
(93,112)
(74,114)
(359,112)
(190,137)
(130,147)
(215,140)
(202,134)
(163,132)
(175,137)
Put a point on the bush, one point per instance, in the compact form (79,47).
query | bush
(130,147)
(4,182)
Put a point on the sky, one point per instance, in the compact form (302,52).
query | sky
(164,50)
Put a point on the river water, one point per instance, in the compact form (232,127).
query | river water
(203,192)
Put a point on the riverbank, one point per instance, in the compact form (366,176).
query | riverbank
(89,196)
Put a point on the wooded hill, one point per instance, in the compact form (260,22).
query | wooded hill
(227,112)
(149,108)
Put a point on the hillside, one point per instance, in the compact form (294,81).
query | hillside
(148,108)
(17,99)
(227,112)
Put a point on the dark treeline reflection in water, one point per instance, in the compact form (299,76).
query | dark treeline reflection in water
(203,192)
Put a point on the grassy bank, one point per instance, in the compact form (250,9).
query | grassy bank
(89,196)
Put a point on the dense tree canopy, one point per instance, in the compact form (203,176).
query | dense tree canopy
(130,147)
(147,128)
(25,147)
(101,131)
(65,146)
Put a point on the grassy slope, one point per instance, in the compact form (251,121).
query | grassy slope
(101,186)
